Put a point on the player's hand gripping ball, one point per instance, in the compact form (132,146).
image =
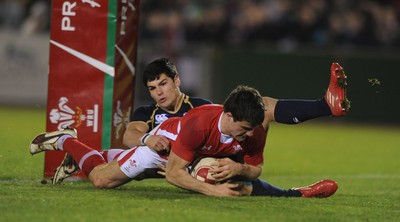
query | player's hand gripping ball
(201,167)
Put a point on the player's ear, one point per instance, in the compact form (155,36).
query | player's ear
(177,80)
(229,115)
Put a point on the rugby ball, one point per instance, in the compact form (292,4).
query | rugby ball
(200,169)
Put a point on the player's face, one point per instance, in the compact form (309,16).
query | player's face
(241,129)
(165,91)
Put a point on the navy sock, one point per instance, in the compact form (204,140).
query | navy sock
(291,111)
(262,188)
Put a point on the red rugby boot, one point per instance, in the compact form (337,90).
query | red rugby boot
(336,93)
(321,189)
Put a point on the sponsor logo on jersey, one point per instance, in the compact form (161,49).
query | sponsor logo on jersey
(132,163)
(65,116)
(208,148)
(237,148)
(159,118)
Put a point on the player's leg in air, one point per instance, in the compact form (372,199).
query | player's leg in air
(102,174)
(320,189)
(294,111)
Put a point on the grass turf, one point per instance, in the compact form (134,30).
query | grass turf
(362,159)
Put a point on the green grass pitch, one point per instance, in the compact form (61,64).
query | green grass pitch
(363,159)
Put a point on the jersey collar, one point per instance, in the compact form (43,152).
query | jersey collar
(224,138)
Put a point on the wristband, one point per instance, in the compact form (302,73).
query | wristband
(144,139)
(248,183)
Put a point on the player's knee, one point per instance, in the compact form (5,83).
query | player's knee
(102,183)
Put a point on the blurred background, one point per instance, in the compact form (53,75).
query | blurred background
(284,48)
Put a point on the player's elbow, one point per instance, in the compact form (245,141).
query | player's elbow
(170,177)
(258,173)
(128,137)
(126,141)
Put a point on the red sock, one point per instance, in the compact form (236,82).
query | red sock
(87,157)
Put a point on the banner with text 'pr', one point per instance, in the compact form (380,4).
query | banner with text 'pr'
(93,46)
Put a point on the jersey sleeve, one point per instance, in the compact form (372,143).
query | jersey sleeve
(141,114)
(190,138)
(254,154)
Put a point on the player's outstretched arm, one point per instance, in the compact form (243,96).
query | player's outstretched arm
(136,135)
(134,132)
(228,168)
(177,175)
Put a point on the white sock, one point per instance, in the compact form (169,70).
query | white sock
(60,141)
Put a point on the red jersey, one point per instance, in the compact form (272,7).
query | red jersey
(198,133)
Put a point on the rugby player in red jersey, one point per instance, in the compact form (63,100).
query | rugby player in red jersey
(211,130)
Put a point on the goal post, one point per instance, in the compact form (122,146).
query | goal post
(93,49)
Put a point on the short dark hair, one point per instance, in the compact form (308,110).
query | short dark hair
(154,69)
(246,104)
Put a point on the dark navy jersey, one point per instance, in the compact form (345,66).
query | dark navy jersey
(153,115)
